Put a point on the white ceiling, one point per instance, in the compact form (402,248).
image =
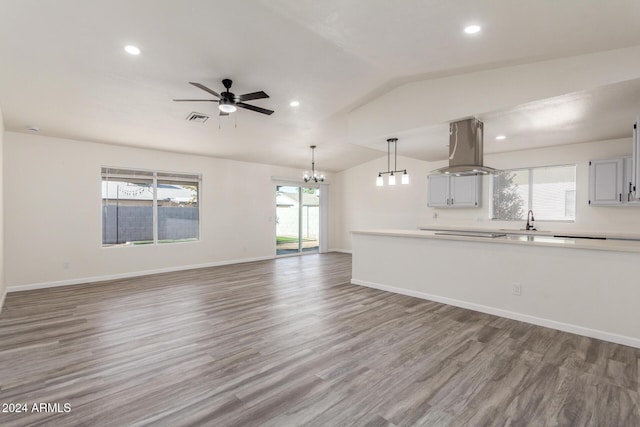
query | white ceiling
(599,114)
(63,69)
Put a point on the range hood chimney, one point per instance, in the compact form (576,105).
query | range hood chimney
(465,149)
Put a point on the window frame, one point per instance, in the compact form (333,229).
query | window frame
(530,170)
(154,175)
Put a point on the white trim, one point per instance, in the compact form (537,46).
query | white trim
(566,327)
(344,251)
(297,254)
(2,297)
(85,280)
(324,219)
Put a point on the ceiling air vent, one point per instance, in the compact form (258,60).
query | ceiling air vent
(197,117)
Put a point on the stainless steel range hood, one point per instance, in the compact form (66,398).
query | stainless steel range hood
(465,149)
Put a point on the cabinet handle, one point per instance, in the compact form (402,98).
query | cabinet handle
(620,197)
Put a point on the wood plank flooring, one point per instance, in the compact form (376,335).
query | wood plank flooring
(290,342)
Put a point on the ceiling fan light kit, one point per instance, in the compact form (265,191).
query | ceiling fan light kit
(227,107)
(392,173)
(315,177)
(229,102)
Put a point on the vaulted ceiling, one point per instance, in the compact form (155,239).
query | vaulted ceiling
(63,69)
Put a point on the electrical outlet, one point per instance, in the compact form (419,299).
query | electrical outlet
(517,289)
(66,265)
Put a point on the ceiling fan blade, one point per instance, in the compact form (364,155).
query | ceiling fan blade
(252,95)
(254,108)
(196,100)
(206,89)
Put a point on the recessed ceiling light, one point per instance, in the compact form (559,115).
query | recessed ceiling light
(132,50)
(295,103)
(472,29)
(501,137)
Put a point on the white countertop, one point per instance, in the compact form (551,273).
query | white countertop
(620,236)
(512,238)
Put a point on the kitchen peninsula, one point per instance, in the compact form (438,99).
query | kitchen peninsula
(585,286)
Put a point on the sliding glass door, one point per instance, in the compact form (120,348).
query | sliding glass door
(297,219)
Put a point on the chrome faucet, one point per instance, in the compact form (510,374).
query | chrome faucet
(530,225)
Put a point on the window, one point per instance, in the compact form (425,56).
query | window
(144,207)
(548,191)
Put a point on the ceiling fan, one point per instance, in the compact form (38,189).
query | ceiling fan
(228,102)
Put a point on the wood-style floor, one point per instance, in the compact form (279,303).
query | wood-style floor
(290,342)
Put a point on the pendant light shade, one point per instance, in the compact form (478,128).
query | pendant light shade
(391,173)
(392,179)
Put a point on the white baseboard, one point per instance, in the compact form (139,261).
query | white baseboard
(84,280)
(344,251)
(566,327)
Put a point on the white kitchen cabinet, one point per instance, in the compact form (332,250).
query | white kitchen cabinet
(464,191)
(606,178)
(629,188)
(611,182)
(438,188)
(447,191)
(634,177)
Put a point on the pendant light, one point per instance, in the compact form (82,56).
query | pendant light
(392,177)
(315,177)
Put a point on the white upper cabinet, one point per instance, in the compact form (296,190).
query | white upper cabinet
(454,191)
(606,182)
(629,188)
(615,182)
(438,188)
(464,191)
(635,161)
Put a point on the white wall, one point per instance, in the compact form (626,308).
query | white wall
(3,286)
(53,210)
(584,291)
(365,206)
(362,205)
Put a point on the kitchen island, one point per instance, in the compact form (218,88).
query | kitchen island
(586,286)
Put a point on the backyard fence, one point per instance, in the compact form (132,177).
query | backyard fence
(121,224)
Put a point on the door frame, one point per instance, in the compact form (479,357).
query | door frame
(323,212)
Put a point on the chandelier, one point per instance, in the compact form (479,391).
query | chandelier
(315,177)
